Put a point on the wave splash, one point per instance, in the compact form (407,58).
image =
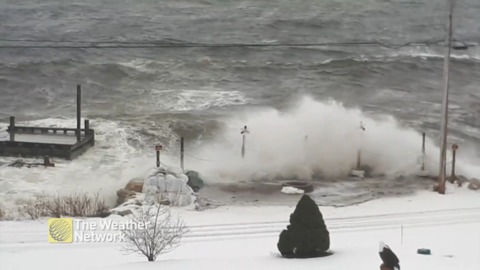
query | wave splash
(276,146)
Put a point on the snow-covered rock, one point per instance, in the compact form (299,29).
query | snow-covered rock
(357,173)
(166,185)
(292,190)
(474,184)
(169,184)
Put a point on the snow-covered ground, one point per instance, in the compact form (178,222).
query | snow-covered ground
(245,237)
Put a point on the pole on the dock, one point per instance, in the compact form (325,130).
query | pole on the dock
(182,152)
(11,128)
(423,151)
(79,111)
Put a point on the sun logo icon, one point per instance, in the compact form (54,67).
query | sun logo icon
(60,230)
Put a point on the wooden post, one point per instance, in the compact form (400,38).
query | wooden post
(453,177)
(79,111)
(359,159)
(158,148)
(47,162)
(182,150)
(423,151)
(87,127)
(11,128)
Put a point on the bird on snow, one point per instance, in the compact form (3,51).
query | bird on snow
(390,260)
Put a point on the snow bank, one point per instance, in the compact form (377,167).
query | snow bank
(246,237)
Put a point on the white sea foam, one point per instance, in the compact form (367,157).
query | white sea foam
(104,168)
(276,146)
(187,100)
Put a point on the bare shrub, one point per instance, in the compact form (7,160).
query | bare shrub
(75,205)
(162,233)
(35,208)
(3,213)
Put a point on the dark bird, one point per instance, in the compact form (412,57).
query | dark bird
(390,260)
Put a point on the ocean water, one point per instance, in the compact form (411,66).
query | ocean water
(138,97)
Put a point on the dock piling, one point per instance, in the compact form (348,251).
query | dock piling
(79,111)
(11,128)
(87,126)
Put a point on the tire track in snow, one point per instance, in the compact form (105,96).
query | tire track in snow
(338,225)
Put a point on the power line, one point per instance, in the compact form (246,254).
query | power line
(158,44)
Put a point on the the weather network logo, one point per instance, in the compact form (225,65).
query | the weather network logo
(60,230)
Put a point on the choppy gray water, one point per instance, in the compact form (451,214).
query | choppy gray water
(186,90)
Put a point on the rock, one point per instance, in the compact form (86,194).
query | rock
(305,186)
(202,203)
(17,164)
(136,184)
(133,187)
(123,212)
(103,214)
(474,184)
(170,186)
(292,190)
(164,202)
(194,180)
(461,180)
(125,195)
(357,173)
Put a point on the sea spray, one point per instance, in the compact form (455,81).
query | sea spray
(277,146)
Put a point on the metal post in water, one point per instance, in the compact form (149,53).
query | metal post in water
(11,128)
(182,152)
(446,83)
(157,149)
(244,132)
(359,153)
(79,111)
(243,146)
(423,151)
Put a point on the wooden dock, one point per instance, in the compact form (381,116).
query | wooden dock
(35,142)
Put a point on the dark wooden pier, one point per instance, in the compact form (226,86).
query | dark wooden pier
(34,142)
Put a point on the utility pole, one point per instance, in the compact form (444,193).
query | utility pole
(446,83)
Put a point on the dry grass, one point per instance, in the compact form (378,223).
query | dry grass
(75,205)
